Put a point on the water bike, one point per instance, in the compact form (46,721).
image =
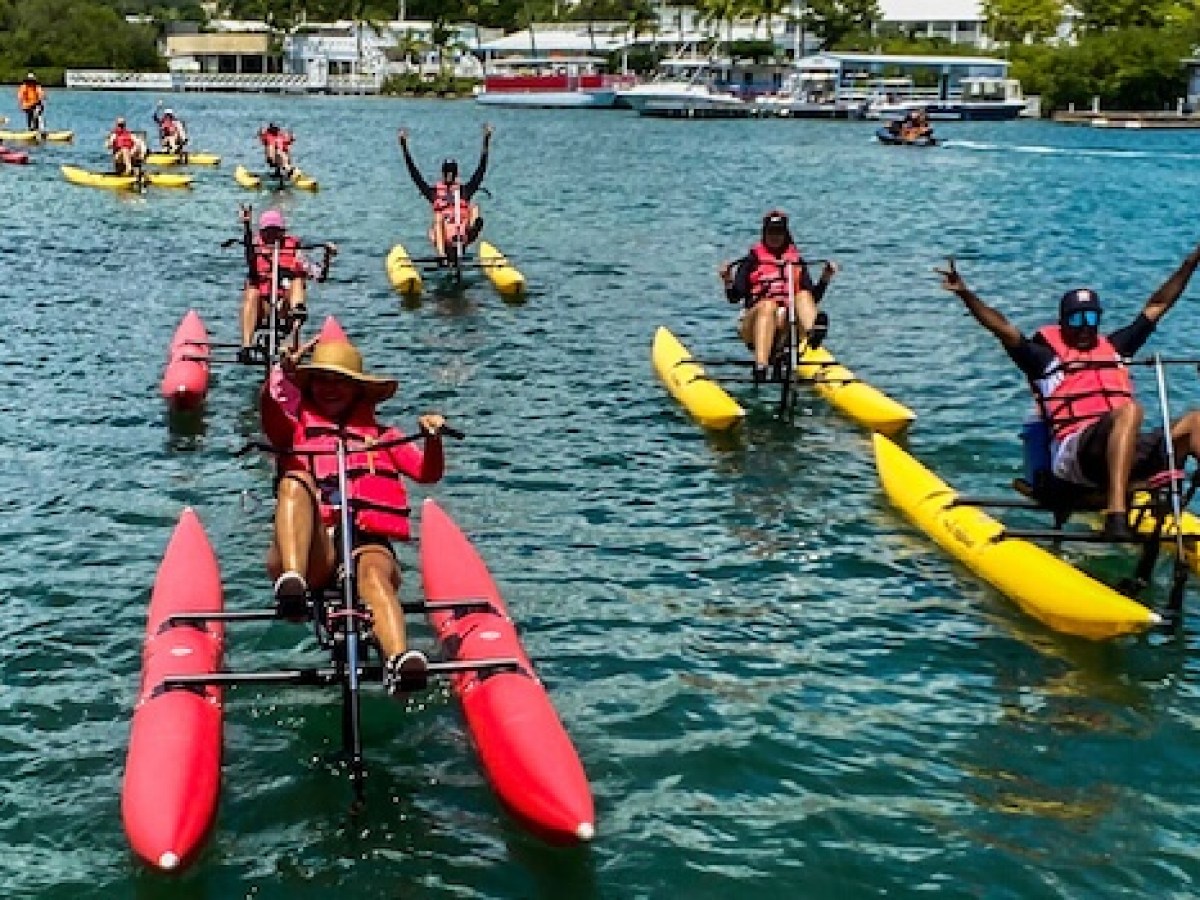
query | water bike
(190,356)
(34,136)
(172,776)
(404,271)
(792,362)
(276,178)
(136,182)
(1047,587)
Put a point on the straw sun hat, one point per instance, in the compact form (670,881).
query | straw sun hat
(342,358)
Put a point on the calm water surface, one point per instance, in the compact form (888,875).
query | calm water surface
(775,684)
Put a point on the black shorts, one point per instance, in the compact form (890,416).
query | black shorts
(1149,458)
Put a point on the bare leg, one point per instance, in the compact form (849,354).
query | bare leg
(378,585)
(252,308)
(437,235)
(297,301)
(301,543)
(1122,446)
(1185,435)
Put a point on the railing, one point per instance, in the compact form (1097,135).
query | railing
(360,83)
(263,83)
(120,81)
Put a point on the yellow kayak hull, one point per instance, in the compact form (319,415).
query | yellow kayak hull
(76,175)
(246,178)
(192,159)
(705,400)
(29,136)
(249,180)
(1046,587)
(856,399)
(505,278)
(402,274)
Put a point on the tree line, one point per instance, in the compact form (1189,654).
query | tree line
(1127,52)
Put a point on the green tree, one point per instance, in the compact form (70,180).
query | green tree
(1012,21)
(833,21)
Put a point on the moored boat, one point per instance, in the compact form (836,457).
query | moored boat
(1046,587)
(524,749)
(559,82)
(185,381)
(707,402)
(173,766)
(504,276)
(842,389)
(401,272)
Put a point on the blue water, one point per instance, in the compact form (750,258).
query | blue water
(776,685)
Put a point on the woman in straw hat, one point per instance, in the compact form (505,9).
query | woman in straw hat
(337,400)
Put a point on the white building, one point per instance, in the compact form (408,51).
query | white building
(955,21)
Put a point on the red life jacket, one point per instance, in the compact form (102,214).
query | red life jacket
(122,139)
(768,278)
(289,259)
(378,500)
(280,140)
(443,202)
(168,126)
(1082,386)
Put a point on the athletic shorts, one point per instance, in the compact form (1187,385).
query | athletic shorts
(1082,457)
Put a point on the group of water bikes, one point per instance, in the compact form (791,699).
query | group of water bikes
(912,130)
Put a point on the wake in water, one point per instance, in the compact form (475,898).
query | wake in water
(985,147)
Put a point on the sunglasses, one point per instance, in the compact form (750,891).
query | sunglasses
(1083,318)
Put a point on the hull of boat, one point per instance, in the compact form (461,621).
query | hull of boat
(402,274)
(109,181)
(856,399)
(524,750)
(185,381)
(602,99)
(505,277)
(173,767)
(189,159)
(1046,587)
(705,400)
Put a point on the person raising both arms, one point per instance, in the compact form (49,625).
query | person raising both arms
(171,130)
(456,220)
(1084,392)
(128,149)
(31,97)
(338,399)
(760,281)
(293,271)
(277,148)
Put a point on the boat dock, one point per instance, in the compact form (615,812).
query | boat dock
(1159,120)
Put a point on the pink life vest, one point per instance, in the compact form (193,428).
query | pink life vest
(768,279)
(378,500)
(1087,384)
(443,202)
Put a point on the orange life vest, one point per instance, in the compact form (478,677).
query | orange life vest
(1082,386)
(168,126)
(30,95)
(768,279)
(378,500)
(122,139)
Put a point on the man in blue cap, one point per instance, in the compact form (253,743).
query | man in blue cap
(1085,393)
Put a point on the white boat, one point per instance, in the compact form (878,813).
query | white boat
(978,99)
(811,93)
(689,88)
(550,83)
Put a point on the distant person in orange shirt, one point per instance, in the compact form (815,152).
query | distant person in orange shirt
(31,97)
